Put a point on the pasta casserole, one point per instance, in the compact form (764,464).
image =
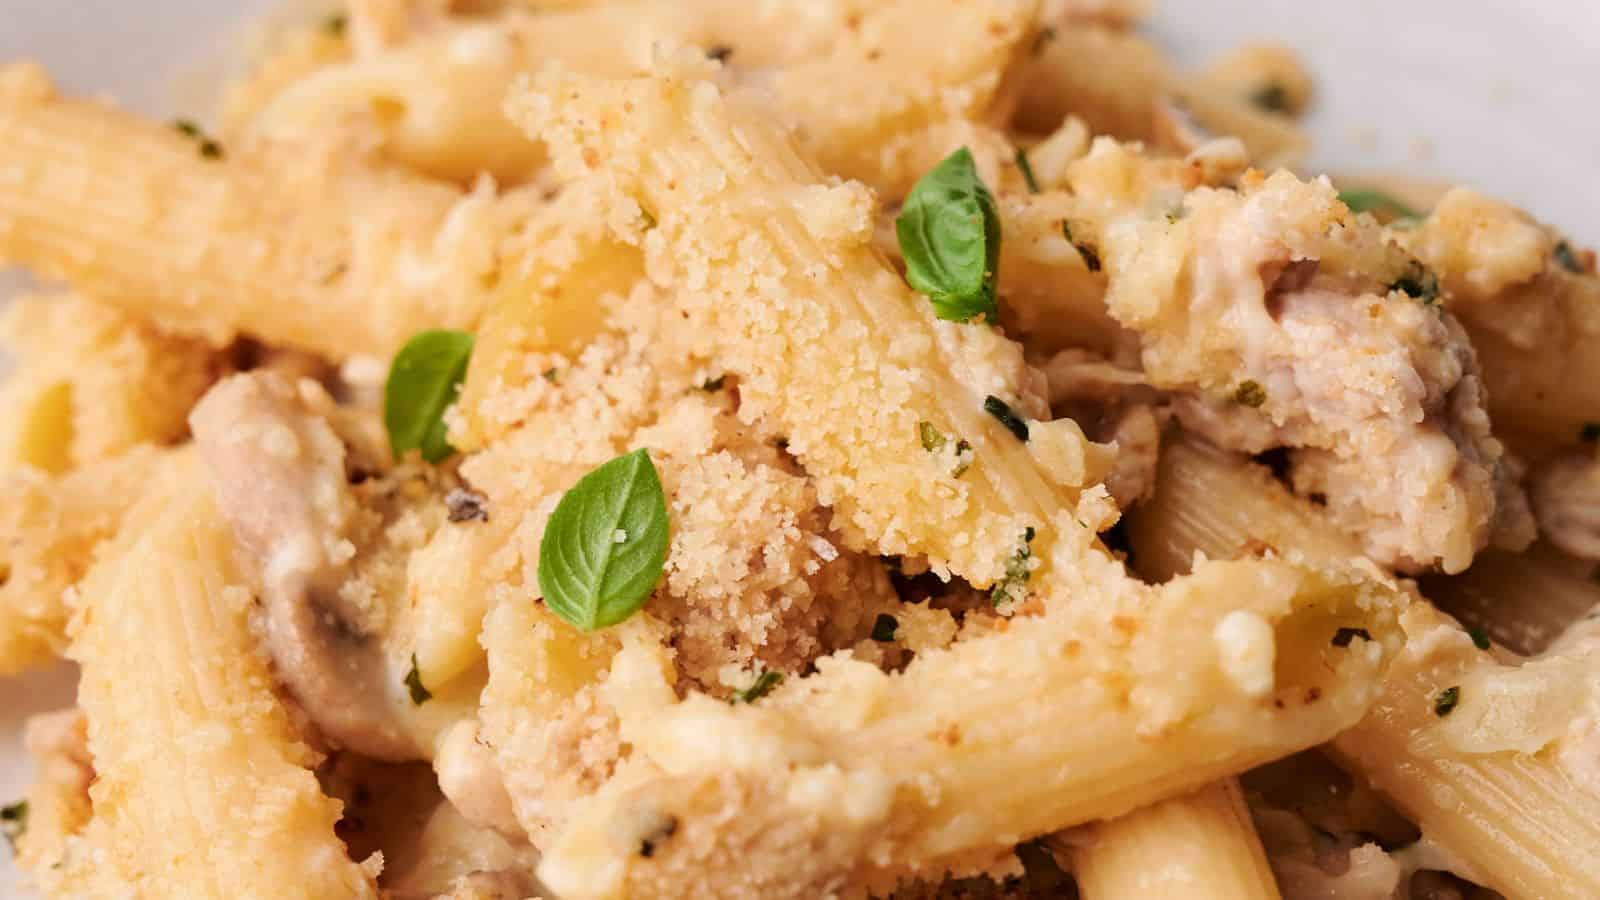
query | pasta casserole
(786,449)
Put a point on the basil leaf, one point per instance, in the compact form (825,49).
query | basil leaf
(422,384)
(605,545)
(949,233)
(414,686)
(1378,203)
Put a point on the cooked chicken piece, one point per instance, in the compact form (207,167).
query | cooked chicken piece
(278,470)
(1284,322)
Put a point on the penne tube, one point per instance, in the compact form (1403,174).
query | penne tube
(1198,846)
(798,304)
(1522,601)
(298,248)
(1515,821)
(201,783)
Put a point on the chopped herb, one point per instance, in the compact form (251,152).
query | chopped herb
(1568,258)
(712,385)
(1344,636)
(1418,283)
(963,459)
(998,408)
(932,439)
(466,506)
(1027,171)
(1091,256)
(188,128)
(1445,703)
(552,375)
(763,686)
(14,821)
(336,24)
(719,52)
(1378,203)
(419,694)
(1045,36)
(1250,393)
(949,233)
(1590,432)
(884,627)
(1017,572)
(209,148)
(1271,97)
(587,577)
(423,381)
(1480,638)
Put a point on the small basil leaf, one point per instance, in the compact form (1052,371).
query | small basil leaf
(949,233)
(1378,203)
(422,384)
(605,545)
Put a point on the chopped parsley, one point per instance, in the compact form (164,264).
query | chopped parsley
(552,375)
(1091,256)
(712,385)
(1378,203)
(1002,411)
(884,627)
(1250,393)
(1590,432)
(1480,638)
(1344,636)
(209,148)
(1568,258)
(14,821)
(419,694)
(763,686)
(1017,572)
(719,52)
(1418,283)
(1271,97)
(466,506)
(1445,703)
(933,441)
(1027,171)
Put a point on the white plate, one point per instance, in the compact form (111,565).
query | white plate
(1493,93)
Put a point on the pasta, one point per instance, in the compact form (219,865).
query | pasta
(783,449)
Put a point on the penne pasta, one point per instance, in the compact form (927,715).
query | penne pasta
(1201,845)
(174,755)
(1522,601)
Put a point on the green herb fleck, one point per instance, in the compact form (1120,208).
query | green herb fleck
(1091,256)
(189,128)
(1001,410)
(336,24)
(209,148)
(932,439)
(763,686)
(14,822)
(1271,97)
(1378,203)
(1017,572)
(552,375)
(1568,258)
(1344,636)
(588,577)
(1480,638)
(423,382)
(712,385)
(1250,393)
(1445,703)
(419,694)
(1590,432)
(949,233)
(884,627)
(1418,283)
(1027,171)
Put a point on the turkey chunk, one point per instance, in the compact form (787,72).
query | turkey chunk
(1279,320)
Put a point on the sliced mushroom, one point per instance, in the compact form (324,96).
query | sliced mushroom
(278,470)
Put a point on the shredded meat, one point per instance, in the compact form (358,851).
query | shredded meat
(278,470)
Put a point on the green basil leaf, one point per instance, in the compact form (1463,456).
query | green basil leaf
(1378,203)
(605,545)
(949,233)
(422,384)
